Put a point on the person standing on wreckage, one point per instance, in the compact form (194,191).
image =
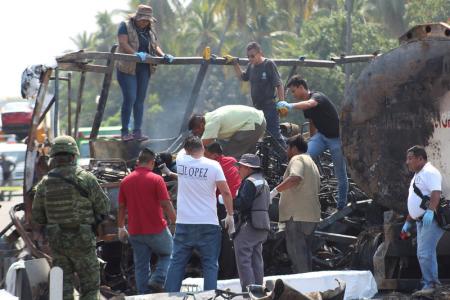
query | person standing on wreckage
(136,36)
(69,202)
(323,129)
(299,207)
(426,184)
(197,226)
(265,84)
(143,196)
(252,205)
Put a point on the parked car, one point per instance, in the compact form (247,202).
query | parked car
(16,118)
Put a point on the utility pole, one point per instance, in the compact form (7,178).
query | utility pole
(348,42)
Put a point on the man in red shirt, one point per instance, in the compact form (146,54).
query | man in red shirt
(227,259)
(143,194)
(214,151)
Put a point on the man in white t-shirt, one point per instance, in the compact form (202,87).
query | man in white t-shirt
(197,226)
(427,181)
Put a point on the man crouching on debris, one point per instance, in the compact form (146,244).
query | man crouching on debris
(197,226)
(239,128)
(69,201)
(299,205)
(252,204)
(426,183)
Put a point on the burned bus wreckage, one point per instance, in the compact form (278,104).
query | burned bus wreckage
(400,99)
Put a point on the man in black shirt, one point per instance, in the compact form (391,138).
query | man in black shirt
(323,129)
(265,85)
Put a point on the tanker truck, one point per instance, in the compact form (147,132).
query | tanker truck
(402,98)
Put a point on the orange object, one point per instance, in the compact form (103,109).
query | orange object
(283,111)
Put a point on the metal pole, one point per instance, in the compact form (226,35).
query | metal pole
(194,95)
(56,107)
(79,102)
(291,73)
(348,42)
(69,104)
(104,95)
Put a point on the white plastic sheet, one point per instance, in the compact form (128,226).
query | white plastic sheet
(359,284)
(4,295)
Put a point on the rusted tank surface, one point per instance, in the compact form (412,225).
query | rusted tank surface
(401,99)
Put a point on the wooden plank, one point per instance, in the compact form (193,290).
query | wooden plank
(103,96)
(77,67)
(30,154)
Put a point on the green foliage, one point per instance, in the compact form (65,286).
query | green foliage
(285,29)
(430,11)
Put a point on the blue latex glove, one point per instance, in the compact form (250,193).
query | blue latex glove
(406,226)
(284,104)
(428,217)
(168,58)
(142,55)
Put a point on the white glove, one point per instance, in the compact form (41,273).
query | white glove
(273,194)
(164,169)
(229,224)
(123,235)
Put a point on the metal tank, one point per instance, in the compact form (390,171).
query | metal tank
(401,98)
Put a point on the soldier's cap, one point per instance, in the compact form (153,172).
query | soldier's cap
(250,160)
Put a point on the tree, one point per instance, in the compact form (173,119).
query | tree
(84,40)
(430,11)
(285,28)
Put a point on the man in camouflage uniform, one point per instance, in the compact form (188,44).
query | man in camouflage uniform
(69,202)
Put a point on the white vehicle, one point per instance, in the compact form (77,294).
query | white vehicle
(16,153)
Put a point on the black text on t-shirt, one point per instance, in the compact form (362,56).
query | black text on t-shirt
(200,173)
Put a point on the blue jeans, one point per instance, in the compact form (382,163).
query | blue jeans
(143,247)
(273,122)
(427,240)
(134,91)
(206,240)
(317,144)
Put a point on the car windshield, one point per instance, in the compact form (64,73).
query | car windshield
(17,156)
(16,107)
